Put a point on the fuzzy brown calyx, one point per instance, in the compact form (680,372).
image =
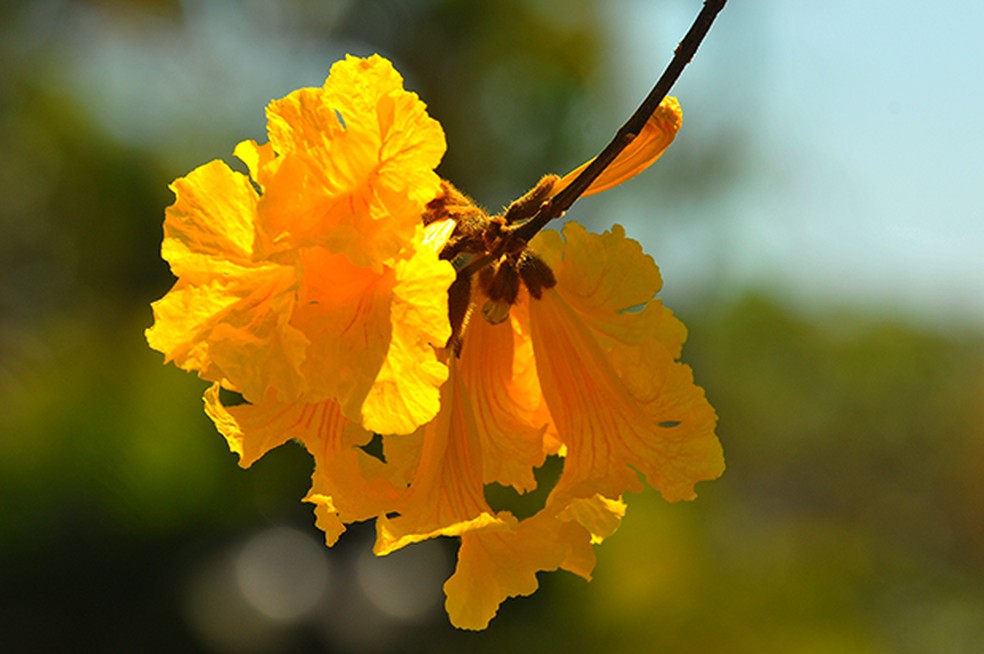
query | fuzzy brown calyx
(487,247)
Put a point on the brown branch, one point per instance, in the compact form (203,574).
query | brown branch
(558,204)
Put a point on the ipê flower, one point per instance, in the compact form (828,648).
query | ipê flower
(313,278)
(349,294)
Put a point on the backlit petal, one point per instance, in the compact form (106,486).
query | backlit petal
(347,486)
(344,311)
(657,422)
(496,565)
(250,432)
(259,159)
(253,344)
(368,95)
(233,331)
(499,376)
(601,273)
(609,281)
(356,164)
(600,515)
(406,391)
(210,222)
(227,316)
(446,496)
(685,449)
(657,134)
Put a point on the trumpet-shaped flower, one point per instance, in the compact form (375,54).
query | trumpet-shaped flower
(349,295)
(323,284)
(609,390)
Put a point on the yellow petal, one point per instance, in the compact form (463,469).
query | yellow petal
(355,167)
(368,95)
(657,421)
(402,453)
(211,221)
(344,312)
(497,370)
(686,449)
(525,382)
(657,134)
(609,281)
(406,391)
(227,316)
(604,273)
(347,486)
(250,432)
(182,318)
(606,356)
(446,496)
(302,121)
(372,333)
(260,160)
(232,331)
(495,565)
(254,345)
(437,233)
(600,515)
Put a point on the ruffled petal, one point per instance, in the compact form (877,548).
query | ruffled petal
(406,391)
(657,421)
(656,135)
(304,121)
(234,330)
(368,95)
(227,316)
(603,274)
(210,224)
(609,281)
(606,357)
(685,450)
(347,486)
(356,167)
(250,430)
(260,160)
(372,333)
(600,515)
(446,496)
(181,317)
(254,345)
(496,565)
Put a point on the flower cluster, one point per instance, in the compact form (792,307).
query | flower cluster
(348,294)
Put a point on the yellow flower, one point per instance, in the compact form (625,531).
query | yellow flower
(323,285)
(354,164)
(618,403)
(348,295)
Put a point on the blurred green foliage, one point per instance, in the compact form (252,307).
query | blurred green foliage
(850,518)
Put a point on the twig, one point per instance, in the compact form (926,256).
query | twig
(558,204)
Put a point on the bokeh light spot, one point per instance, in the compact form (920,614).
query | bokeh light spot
(283,573)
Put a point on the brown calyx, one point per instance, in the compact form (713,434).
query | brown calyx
(487,247)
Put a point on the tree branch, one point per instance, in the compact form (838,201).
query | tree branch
(558,204)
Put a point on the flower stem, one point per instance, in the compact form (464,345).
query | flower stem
(558,204)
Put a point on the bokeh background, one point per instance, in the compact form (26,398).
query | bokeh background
(819,226)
